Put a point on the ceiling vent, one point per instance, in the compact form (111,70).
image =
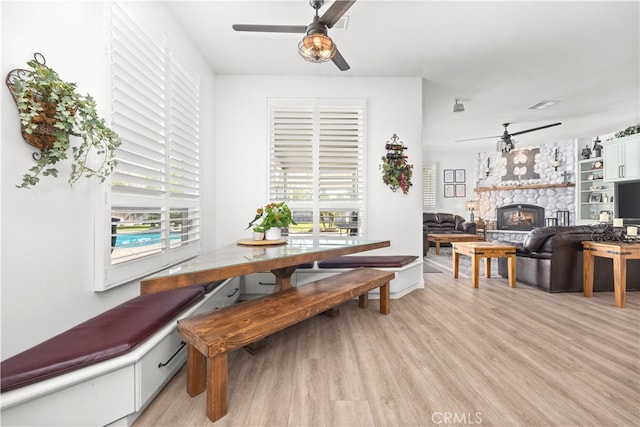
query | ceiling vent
(341,24)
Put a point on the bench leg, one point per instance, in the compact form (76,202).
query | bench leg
(385,306)
(363,300)
(217,387)
(196,367)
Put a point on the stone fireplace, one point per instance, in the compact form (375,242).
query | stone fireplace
(519,217)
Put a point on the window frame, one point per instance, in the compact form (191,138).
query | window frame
(315,206)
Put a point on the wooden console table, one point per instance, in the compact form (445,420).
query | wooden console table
(620,253)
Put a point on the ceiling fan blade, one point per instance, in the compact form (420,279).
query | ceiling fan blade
(271,28)
(340,62)
(538,128)
(474,139)
(335,12)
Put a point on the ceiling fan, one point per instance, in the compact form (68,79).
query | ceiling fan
(316,46)
(506,144)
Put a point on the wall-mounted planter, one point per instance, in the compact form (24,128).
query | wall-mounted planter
(51,111)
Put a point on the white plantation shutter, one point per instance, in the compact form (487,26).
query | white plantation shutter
(340,154)
(291,154)
(317,163)
(155,189)
(429,187)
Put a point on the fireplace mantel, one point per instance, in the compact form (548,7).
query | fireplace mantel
(524,187)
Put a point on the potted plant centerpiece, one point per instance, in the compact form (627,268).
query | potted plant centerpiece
(275,217)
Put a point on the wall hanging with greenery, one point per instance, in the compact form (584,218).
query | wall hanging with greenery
(396,172)
(50,112)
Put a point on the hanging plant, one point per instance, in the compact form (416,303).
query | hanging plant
(51,111)
(396,172)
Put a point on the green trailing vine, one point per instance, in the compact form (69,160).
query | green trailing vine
(51,111)
(396,171)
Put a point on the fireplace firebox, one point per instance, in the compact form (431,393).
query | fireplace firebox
(520,217)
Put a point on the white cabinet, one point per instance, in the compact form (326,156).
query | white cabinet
(622,158)
(593,192)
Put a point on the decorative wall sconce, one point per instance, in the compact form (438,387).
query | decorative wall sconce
(487,170)
(471,207)
(556,160)
(396,171)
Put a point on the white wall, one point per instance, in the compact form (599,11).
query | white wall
(393,106)
(47,263)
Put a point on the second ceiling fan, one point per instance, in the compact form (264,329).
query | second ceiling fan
(316,46)
(506,144)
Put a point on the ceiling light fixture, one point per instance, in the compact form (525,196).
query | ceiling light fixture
(458,107)
(317,47)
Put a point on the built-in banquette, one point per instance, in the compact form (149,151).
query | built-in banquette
(108,369)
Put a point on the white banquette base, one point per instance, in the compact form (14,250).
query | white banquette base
(408,278)
(113,392)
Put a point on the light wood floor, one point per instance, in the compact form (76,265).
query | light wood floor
(446,355)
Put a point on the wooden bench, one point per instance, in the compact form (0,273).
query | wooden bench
(211,336)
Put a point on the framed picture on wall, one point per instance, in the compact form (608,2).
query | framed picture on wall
(460,175)
(449,175)
(461,190)
(449,190)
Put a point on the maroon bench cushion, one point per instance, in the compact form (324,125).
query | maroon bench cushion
(367,261)
(107,335)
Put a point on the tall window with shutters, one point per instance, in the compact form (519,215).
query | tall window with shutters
(429,187)
(155,190)
(316,164)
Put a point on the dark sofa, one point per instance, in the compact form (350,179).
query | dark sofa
(443,223)
(550,258)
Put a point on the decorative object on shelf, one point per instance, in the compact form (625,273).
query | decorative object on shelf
(472,205)
(631,130)
(396,171)
(595,198)
(563,218)
(606,233)
(556,160)
(605,216)
(51,111)
(597,165)
(586,153)
(487,170)
(274,216)
(597,147)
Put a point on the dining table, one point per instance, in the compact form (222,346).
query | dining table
(282,258)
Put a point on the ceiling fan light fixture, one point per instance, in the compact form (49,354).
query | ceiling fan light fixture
(317,47)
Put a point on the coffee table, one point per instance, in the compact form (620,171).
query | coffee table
(487,250)
(438,238)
